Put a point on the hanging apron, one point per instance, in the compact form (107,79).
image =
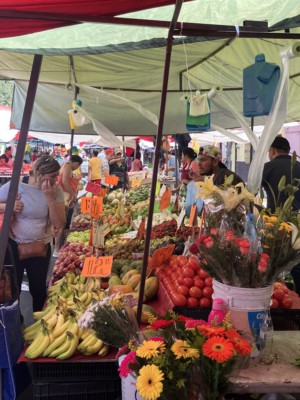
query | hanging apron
(185,174)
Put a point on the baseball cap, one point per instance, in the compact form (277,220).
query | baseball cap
(75,151)
(281,143)
(109,151)
(118,151)
(210,151)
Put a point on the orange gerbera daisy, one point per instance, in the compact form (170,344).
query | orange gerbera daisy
(240,345)
(219,349)
(210,331)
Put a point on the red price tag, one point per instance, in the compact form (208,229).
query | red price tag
(165,200)
(100,267)
(91,187)
(141,229)
(160,256)
(111,180)
(96,207)
(85,204)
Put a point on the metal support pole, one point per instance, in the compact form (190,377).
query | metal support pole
(251,148)
(167,158)
(157,153)
(75,98)
(14,184)
(176,171)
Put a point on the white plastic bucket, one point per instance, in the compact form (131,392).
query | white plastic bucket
(246,306)
(129,391)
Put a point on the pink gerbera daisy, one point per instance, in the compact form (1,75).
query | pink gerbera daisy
(129,359)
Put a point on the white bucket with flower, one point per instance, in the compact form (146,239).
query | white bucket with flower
(129,390)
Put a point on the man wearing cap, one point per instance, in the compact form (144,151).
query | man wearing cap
(118,167)
(280,165)
(210,164)
(105,167)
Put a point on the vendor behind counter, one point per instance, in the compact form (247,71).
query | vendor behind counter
(6,158)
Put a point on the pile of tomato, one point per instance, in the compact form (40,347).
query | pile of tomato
(280,297)
(187,283)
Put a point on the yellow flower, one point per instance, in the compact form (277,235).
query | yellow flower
(205,187)
(182,349)
(295,238)
(149,382)
(266,247)
(273,219)
(285,227)
(150,349)
(269,236)
(244,192)
(268,225)
(266,218)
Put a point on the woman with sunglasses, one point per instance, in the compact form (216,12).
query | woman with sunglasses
(39,200)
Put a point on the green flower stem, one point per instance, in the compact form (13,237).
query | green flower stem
(216,378)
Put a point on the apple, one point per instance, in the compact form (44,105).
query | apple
(89,254)
(79,253)
(77,262)
(67,262)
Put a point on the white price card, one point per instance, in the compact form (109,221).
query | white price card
(162,190)
(129,235)
(180,218)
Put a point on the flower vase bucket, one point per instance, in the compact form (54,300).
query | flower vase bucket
(129,391)
(246,306)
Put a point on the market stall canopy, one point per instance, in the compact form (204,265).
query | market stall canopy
(17,136)
(10,26)
(130,61)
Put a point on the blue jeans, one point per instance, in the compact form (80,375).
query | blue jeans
(295,272)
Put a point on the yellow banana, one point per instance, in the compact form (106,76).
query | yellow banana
(98,283)
(103,351)
(39,350)
(83,297)
(49,313)
(37,314)
(60,320)
(61,349)
(54,345)
(71,350)
(73,328)
(90,339)
(82,279)
(85,334)
(53,320)
(89,299)
(59,331)
(33,327)
(32,334)
(80,332)
(89,350)
(35,343)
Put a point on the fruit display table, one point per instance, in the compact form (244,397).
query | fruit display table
(281,376)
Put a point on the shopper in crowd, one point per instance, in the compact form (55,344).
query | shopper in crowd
(190,171)
(39,199)
(118,167)
(34,155)
(77,173)
(105,167)
(6,158)
(69,187)
(102,154)
(280,165)
(136,165)
(94,169)
(171,164)
(210,164)
(40,154)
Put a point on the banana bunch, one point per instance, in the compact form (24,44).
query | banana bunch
(91,345)
(63,347)
(43,339)
(93,283)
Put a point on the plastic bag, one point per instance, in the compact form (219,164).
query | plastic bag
(191,198)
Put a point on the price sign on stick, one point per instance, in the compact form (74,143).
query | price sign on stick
(102,192)
(193,216)
(180,218)
(165,200)
(91,187)
(96,207)
(85,204)
(111,180)
(100,267)
(141,229)
(136,182)
(161,255)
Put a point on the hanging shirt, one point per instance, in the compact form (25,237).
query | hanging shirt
(95,165)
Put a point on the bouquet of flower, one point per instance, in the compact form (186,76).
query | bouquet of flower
(239,251)
(112,320)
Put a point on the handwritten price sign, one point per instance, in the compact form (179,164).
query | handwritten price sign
(102,192)
(160,256)
(193,216)
(136,182)
(97,267)
(141,229)
(111,180)
(85,204)
(91,187)
(96,207)
(165,200)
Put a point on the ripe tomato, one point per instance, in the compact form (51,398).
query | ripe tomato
(188,282)
(195,292)
(208,282)
(196,278)
(193,264)
(168,271)
(192,302)
(199,283)
(278,294)
(207,292)
(287,303)
(184,290)
(203,275)
(171,263)
(178,300)
(275,303)
(174,276)
(204,302)
(171,288)
(182,260)
(284,289)
(277,285)
(180,279)
(160,274)
(188,273)
(172,258)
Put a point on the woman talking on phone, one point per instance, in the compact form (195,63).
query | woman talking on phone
(39,204)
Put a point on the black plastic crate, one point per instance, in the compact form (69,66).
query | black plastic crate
(193,312)
(285,320)
(75,371)
(104,390)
